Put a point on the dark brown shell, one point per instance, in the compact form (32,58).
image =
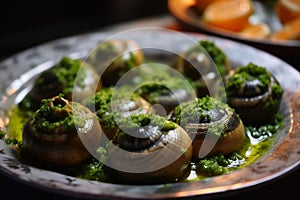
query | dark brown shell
(125,108)
(48,85)
(253,104)
(115,57)
(92,84)
(61,148)
(169,100)
(197,65)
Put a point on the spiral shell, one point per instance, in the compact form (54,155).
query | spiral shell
(213,126)
(107,109)
(53,136)
(149,153)
(75,79)
(254,93)
(116,56)
(168,99)
(198,63)
(162,85)
(232,140)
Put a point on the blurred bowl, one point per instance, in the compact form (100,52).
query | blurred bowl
(287,10)
(190,19)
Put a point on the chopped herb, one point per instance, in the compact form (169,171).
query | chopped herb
(157,81)
(94,171)
(265,131)
(219,164)
(216,54)
(247,73)
(196,110)
(2,134)
(145,119)
(57,114)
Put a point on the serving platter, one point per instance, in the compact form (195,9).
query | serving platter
(17,71)
(190,20)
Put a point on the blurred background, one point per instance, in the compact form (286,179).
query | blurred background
(24,24)
(28,23)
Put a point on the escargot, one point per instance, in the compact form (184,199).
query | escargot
(161,86)
(53,135)
(198,65)
(71,77)
(254,93)
(213,125)
(107,108)
(148,149)
(115,56)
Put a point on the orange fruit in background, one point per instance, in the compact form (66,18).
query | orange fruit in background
(202,4)
(232,15)
(290,31)
(256,31)
(287,10)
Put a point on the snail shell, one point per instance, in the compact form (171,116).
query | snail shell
(232,140)
(115,57)
(168,99)
(255,100)
(106,110)
(87,86)
(52,138)
(73,78)
(163,87)
(198,64)
(213,129)
(149,154)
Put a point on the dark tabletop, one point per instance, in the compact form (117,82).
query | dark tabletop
(284,186)
(12,189)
